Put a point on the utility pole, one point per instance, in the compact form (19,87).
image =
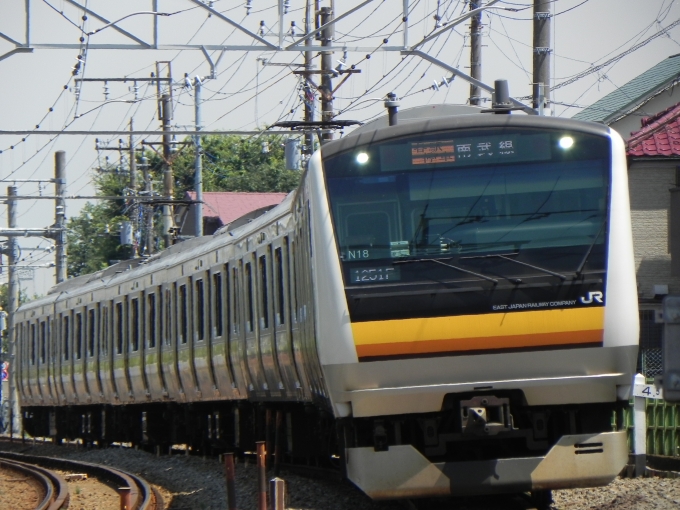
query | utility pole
(148,209)
(59,214)
(167,169)
(542,50)
(476,52)
(326,35)
(198,164)
(12,305)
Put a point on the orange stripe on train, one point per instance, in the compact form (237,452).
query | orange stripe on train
(479,332)
(481,344)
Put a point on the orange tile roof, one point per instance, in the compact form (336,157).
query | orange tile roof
(231,205)
(659,136)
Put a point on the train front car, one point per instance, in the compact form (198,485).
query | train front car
(477,313)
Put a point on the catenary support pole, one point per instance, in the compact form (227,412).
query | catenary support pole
(12,305)
(133,189)
(60,214)
(542,50)
(476,53)
(308,92)
(198,161)
(167,169)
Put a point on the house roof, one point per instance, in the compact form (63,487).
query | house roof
(659,136)
(231,205)
(633,94)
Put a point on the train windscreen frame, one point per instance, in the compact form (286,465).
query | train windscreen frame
(539,197)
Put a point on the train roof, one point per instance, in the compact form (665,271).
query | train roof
(447,122)
(176,254)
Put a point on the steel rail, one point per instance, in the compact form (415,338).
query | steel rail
(55,487)
(142,497)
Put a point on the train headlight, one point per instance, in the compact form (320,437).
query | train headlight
(566,142)
(362,158)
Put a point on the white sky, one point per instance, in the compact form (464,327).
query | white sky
(245,95)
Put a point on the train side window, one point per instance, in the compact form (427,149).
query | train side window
(151,317)
(43,341)
(264,295)
(118,327)
(32,355)
(279,302)
(168,317)
(134,324)
(249,297)
(292,281)
(183,326)
(91,329)
(200,309)
(217,304)
(104,336)
(65,336)
(236,309)
(78,332)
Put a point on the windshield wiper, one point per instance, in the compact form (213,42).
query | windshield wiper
(483,277)
(504,256)
(580,267)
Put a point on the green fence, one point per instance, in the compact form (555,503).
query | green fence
(663,427)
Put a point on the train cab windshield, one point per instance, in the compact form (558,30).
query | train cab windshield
(537,197)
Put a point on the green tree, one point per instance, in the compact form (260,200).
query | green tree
(93,236)
(234,163)
(230,163)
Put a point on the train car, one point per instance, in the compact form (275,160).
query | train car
(443,307)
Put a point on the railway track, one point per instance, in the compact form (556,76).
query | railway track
(52,485)
(141,495)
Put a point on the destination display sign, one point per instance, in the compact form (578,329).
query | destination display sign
(478,150)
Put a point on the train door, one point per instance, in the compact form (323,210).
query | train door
(266,324)
(200,334)
(67,357)
(173,383)
(121,376)
(52,342)
(296,311)
(184,336)
(219,331)
(34,385)
(135,354)
(105,353)
(237,347)
(258,384)
(282,319)
(152,349)
(43,362)
(91,358)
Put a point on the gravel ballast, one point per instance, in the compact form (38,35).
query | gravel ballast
(193,483)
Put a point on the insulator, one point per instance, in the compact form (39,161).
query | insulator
(265,147)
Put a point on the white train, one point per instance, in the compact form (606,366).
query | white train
(447,306)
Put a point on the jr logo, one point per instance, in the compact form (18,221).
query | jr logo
(592,296)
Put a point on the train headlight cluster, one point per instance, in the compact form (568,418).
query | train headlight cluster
(362,158)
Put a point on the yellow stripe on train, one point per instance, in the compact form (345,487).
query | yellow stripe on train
(479,332)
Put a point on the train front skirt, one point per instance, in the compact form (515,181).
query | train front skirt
(583,460)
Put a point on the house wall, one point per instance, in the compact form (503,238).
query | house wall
(631,122)
(649,184)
